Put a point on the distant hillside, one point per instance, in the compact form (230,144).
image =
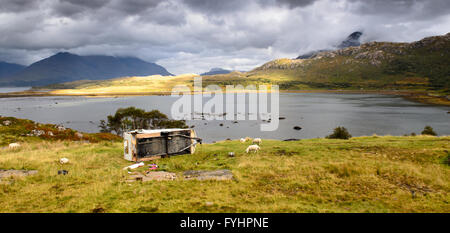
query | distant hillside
(67,67)
(8,69)
(423,64)
(214,71)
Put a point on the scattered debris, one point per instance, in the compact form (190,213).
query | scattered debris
(134,166)
(153,166)
(63,172)
(63,160)
(208,175)
(297,127)
(16,173)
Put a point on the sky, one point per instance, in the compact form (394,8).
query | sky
(193,36)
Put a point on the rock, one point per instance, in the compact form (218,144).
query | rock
(50,133)
(61,128)
(208,175)
(297,127)
(209,203)
(37,133)
(16,173)
(152,176)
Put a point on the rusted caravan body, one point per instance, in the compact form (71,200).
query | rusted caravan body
(143,145)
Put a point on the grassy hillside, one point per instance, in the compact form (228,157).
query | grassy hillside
(421,65)
(21,130)
(365,174)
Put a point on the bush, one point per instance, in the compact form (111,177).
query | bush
(428,131)
(131,118)
(339,133)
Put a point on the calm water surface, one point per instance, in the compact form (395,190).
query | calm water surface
(317,114)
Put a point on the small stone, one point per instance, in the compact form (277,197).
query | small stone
(209,203)
(297,127)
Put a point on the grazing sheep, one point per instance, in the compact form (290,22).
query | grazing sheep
(257,141)
(64,160)
(243,140)
(254,148)
(14,145)
(248,138)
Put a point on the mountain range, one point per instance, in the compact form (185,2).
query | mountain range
(214,71)
(352,40)
(67,67)
(8,69)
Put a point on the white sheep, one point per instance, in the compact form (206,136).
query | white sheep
(257,141)
(243,140)
(14,145)
(254,148)
(64,160)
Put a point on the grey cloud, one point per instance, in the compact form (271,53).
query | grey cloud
(17,5)
(134,6)
(195,35)
(408,9)
(296,3)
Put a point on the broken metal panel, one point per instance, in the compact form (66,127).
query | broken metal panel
(152,144)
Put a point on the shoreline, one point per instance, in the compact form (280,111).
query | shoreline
(415,96)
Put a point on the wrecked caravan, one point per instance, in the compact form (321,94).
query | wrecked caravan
(143,145)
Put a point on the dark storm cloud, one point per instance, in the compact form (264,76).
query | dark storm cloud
(73,7)
(403,8)
(195,35)
(216,6)
(296,3)
(17,5)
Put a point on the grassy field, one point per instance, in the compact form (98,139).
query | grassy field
(364,174)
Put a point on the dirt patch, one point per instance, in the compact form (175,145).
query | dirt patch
(16,173)
(152,176)
(208,175)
